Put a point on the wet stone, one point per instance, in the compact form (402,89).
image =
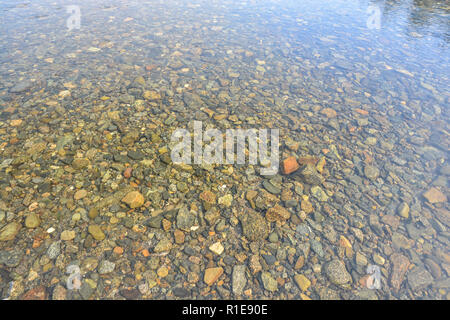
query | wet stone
(32,221)
(239,279)
(309,175)
(11,259)
(337,272)
(371,172)
(269,283)
(254,226)
(106,267)
(21,86)
(419,278)
(9,231)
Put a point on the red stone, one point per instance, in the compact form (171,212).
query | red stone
(289,165)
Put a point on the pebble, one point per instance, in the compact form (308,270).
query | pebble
(80,163)
(319,194)
(434,195)
(419,278)
(400,265)
(238,279)
(59,293)
(9,231)
(93,213)
(309,175)
(80,194)
(371,172)
(269,283)
(134,199)
(179,236)
(163,245)
(226,200)
(303,282)
(185,219)
(217,248)
(96,232)
(106,266)
(337,273)
(277,213)
(378,259)
(270,187)
(289,165)
(54,250)
(32,221)
(403,210)
(254,225)
(212,274)
(67,235)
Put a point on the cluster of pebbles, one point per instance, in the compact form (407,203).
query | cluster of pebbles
(87,182)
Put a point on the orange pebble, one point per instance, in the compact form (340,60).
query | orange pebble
(118,250)
(289,165)
(145,253)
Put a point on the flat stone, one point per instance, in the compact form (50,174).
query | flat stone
(289,165)
(106,267)
(337,273)
(11,258)
(403,210)
(37,293)
(96,232)
(163,245)
(269,283)
(9,231)
(32,221)
(434,195)
(217,248)
(277,213)
(371,172)
(67,235)
(80,194)
(254,226)
(303,282)
(135,155)
(319,194)
(134,199)
(21,86)
(400,265)
(80,163)
(212,274)
(419,278)
(270,187)
(238,280)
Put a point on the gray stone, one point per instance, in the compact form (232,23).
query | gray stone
(86,290)
(337,273)
(371,172)
(269,282)
(54,250)
(106,267)
(21,86)
(419,278)
(11,258)
(239,279)
(254,226)
(185,219)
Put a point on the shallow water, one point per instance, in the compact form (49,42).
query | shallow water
(363,100)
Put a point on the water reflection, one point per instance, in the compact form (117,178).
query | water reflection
(87,115)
